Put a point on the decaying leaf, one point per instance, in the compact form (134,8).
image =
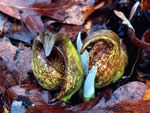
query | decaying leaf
(137,107)
(15,64)
(19,32)
(78,14)
(17,81)
(147,94)
(62,10)
(83,106)
(72,30)
(36,95)
(5,24)
(145,4)
(131,92)
(57,107)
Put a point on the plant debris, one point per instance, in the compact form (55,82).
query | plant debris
(22,21)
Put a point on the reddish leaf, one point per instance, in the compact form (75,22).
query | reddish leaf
(131,92)
(127,98)
(146,95)
(124,99)
(137,107)
(72,30)
(57,107)
(78,14)
(83,106)
(145,4)
(37,95)
(62,107)
(143,71)
(7,97)
(62,10)
(137,42)
(1,103)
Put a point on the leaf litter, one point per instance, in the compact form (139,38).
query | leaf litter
(130,94)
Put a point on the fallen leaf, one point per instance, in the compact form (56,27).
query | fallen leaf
(142,70)
(21,33)
(15,64)
(7,50)
(62,10)
(148,83)
(145,5)
(127,98)
(128,93)
(78,14)
(7,53)
(57,107)
(137,42)
(87,2)
(146,95)
(83,106)
(23,64)
(6,97)
(137,107)
(72,30)
(5,110)
(1,102)
(7,23)
(37,95)
(62,107)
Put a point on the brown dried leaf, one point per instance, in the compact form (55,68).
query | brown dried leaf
(57,107)
(1,103)
(68,11)
(145,4)
(7,50)
(78,14)
(7,97)
(137,107)
(23,64)
(146,95)
(143,71)
(37,95)
(137,42)
(62,107)
(131,92)
(14,64)
(72,30)
(127,98)
(83,106)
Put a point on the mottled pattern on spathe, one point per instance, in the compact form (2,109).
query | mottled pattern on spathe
(55,72)
(108,54)
(73,73)
(45,73)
